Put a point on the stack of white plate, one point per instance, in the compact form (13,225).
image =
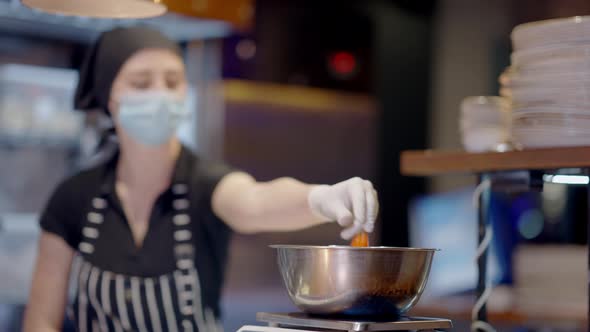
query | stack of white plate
(485,123)
(549,83)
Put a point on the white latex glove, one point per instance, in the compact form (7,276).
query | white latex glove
(352,203)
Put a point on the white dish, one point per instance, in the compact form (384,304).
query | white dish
(556,135)
(550,133)
(561,39)
(549,53)
(551,69)
(549,110)
(532,142)
(547,32)
(543,111)
(562,105)
(549,96)
(554,67)
(560,122)
(551,120)
(561,84)
(559,79)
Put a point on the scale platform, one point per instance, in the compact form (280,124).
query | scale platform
(298,322)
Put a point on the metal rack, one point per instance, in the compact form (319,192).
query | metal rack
(504,171)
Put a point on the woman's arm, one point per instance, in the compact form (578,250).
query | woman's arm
(47,301)
(286,204)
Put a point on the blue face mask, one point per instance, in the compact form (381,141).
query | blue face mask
(151,118)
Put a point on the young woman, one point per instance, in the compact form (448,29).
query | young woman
(145,234)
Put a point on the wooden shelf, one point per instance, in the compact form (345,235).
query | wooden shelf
(432,162)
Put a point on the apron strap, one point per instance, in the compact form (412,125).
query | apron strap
(184,250)
(182,229)
(90,230)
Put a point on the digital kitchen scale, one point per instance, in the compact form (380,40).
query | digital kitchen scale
(300,322)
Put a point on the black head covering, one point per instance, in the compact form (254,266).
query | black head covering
(105,59)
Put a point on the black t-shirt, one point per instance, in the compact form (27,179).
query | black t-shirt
(115,249)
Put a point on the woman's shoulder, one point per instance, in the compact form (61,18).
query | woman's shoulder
(82,181)
(68,204)
(75,192)
(207,173)
(213,169)
(203,169)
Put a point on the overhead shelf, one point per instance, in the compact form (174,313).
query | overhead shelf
(432,162)
(16,18)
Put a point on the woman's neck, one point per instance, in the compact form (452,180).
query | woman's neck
(147,168)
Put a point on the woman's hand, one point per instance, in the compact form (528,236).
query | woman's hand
(352,203)
(286,204)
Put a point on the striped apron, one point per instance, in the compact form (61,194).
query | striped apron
(107,301)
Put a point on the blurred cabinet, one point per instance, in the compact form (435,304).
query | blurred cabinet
(40,133)
(18,248)
(316,135)
(36,106)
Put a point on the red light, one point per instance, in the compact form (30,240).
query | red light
(342,63)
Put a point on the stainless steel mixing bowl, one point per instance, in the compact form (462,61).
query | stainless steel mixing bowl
(342,280)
